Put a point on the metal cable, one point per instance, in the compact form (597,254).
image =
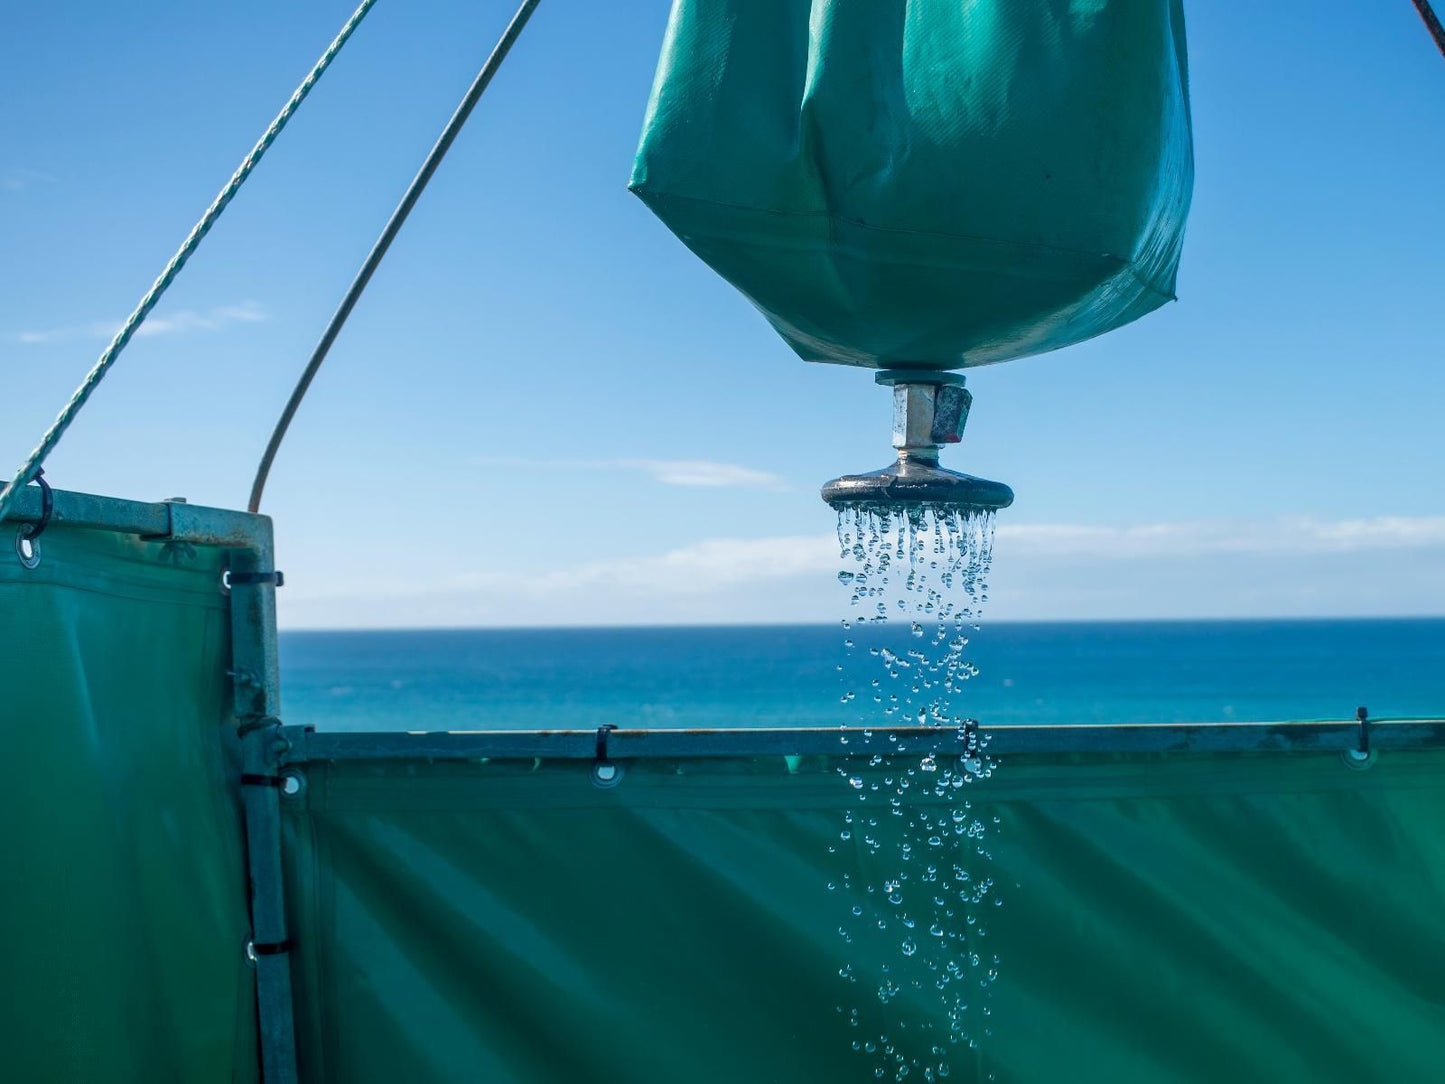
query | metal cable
(388,234)
(57,429)
(1432,23)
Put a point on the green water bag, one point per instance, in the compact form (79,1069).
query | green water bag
(926,184)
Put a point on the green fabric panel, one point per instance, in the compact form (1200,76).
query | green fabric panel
(122,886)
(926,182)
(1200,918)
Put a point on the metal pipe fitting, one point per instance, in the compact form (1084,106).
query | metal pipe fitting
(929,409)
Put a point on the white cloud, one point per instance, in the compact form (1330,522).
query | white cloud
(672,472)
(16,179)
(702,568)
(720,563)
(1284,535)
(213,319)
(1275,567)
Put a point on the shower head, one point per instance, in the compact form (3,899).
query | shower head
(929,408)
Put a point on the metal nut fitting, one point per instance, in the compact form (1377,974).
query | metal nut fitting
(927,415)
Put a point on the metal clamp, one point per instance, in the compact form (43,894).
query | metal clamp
(258,722)
(47,507)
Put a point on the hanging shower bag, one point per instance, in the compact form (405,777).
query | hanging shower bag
(930,183)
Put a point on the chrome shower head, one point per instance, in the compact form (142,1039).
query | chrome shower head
(929,409)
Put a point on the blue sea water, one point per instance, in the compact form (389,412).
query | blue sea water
(1120,672)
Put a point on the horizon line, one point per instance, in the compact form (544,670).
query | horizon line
(673,626)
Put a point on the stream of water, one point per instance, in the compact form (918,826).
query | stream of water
(916,914)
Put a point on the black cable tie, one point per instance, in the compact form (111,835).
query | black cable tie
(47,506)
(258,723)
(602,741)
(270,948)
(250,780)
(1363,715)
(245,579)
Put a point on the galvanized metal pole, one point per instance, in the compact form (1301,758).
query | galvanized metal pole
(257,696)
(1432,23)
(388,234)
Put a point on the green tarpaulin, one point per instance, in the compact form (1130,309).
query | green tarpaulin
(930,183)
(122,885)
(1193,917)
(1180,917)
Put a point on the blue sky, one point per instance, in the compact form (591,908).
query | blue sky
(1269,445)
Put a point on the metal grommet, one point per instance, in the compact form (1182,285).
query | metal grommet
(27,548)
(1359,760)
(293,784)
(606,773)
(250,953)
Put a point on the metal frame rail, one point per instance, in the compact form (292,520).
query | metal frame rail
(304,745)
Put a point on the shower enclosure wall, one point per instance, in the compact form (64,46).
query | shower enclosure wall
(201,888)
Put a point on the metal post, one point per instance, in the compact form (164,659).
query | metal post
(388,235)
(256,673)
(1432,23)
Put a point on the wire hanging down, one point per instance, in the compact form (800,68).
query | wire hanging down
(388,234)
(57,429)
(1432,23)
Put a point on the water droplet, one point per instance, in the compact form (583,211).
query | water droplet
(922,569)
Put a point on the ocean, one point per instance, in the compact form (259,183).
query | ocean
(1104,672)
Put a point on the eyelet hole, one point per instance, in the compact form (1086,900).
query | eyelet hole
(27,549)
(1359,760)
(606,774)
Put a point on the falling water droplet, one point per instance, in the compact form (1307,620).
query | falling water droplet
(927,566)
